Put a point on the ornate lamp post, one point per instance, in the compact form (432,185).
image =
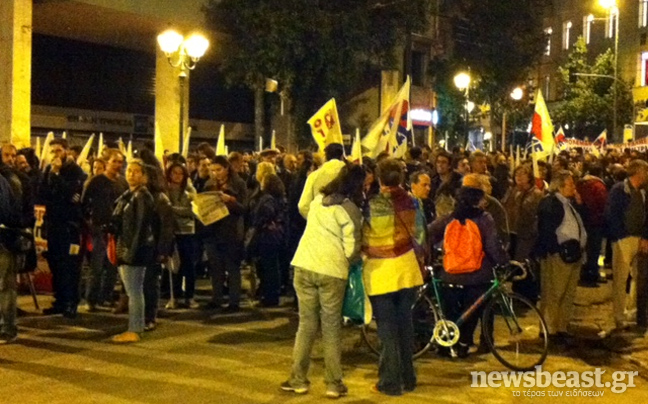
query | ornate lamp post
(182,53)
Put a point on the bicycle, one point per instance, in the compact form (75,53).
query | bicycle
(518,338)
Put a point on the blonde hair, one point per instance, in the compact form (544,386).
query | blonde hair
(264,169)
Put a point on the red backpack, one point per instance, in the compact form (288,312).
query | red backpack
(462,246)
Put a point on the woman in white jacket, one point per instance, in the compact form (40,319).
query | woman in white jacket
(331,242)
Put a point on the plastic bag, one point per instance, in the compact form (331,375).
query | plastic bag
(353,308)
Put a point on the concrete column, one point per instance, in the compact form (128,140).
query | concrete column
(15,71)
(170,102)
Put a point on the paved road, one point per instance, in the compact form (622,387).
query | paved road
(198,357)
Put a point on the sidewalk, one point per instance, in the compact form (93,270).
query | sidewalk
(593,322)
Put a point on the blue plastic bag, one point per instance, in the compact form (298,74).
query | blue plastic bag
(353,308)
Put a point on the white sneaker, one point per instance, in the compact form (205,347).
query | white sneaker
(171,305)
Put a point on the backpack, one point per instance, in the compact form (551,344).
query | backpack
(463,249)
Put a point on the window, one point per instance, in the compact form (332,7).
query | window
(587,27)
(643,13)
(548,32)
(566,29)
(418,68)
(547,87)
(610,23)
(643,80)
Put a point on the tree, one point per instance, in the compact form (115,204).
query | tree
(315,49)
(499,41)
(588,100)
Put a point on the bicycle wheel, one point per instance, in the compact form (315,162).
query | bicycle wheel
(424,317)
(516,332)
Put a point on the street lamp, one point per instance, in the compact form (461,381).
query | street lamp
(517,93)
(613,10)
(182,53)
(462,82)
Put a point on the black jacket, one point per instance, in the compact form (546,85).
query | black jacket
(230,228)
(551,213)
(61,194)
(133,223)
(270,220)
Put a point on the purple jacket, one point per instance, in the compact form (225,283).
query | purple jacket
(493,248)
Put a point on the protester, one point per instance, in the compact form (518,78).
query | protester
(132,223)
(420,185)
(99,197)
(561,240)
(331,242)
(322,176)
(594,194)
(223,240)
(444,185)
(163,233)
(392,274)
(8,263)
(475,279)
(625,216)
(270,222)
(180,194)
(60,191)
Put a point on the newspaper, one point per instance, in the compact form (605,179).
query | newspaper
(209,207)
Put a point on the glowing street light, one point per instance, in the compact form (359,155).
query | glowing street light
(182,53)
(186,52)
(462,81)
(517,94)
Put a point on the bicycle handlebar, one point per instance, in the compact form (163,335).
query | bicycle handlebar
(506,271)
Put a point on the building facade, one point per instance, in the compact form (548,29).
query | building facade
(566,20)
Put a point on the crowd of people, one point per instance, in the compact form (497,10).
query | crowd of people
(302,220)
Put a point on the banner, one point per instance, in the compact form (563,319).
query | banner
(388,133)
(325,125)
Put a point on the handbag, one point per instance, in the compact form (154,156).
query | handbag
(353,307)
(570,251)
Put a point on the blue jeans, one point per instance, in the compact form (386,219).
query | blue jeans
(133,279)
(320,300)
(8,292)
(393,312)
(103,275)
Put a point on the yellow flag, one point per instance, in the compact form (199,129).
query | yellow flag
(356,149)
(220,145)
(83,156)
(38,147)
(325,125)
